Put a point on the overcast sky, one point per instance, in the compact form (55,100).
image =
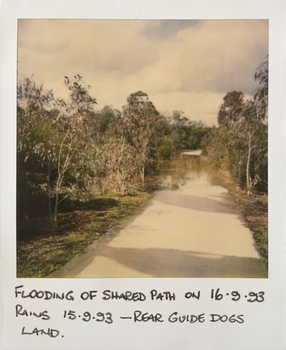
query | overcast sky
(181,64)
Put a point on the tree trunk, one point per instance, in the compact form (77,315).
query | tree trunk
(57,197)
(56,210)
(143,175)
(51,216)
(248,176)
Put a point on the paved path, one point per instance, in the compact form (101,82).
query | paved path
(195,231)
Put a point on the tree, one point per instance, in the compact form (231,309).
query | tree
(180,127)
(80,100)
(54,135)
(240,142)
(166,147)
(140,126)
(232,108)
(248,138)
(104,123)
(261,96)
(197,134)
(116,166)
(34,132)
(185,134)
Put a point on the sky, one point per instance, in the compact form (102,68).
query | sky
(185,65)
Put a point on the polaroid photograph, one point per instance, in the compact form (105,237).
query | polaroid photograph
(142,175)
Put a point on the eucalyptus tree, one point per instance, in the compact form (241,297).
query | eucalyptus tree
(261,96)
(232,108)
(185,134)
(116,160)
(246,140)
(140,126)
(117,166)
(180,130)
(54,136)
(241,140)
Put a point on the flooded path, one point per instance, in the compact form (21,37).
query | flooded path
(190,228)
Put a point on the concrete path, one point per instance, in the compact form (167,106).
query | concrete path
(194,231)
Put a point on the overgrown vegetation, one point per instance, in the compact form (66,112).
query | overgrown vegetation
(240,142)
(79,171)
(66,150)
(69,153)
(40,253)
(238,149)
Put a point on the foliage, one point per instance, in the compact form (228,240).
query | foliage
(68,150)
(184,133)
(261,96)
(140,126)
(80,99)
(231,109)
(54,151)
(165,148)
(240,143)
(103,124)
(117,167)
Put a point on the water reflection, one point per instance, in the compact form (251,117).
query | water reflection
(187,170)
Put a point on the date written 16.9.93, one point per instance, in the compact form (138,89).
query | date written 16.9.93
(250,297)
(87,316)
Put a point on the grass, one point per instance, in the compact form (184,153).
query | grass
(40,251)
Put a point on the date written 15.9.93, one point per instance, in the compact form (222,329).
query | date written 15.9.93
(86,316)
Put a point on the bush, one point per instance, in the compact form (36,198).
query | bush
(166,148)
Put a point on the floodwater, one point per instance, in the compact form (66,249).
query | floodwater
(188,170)
(191,227)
